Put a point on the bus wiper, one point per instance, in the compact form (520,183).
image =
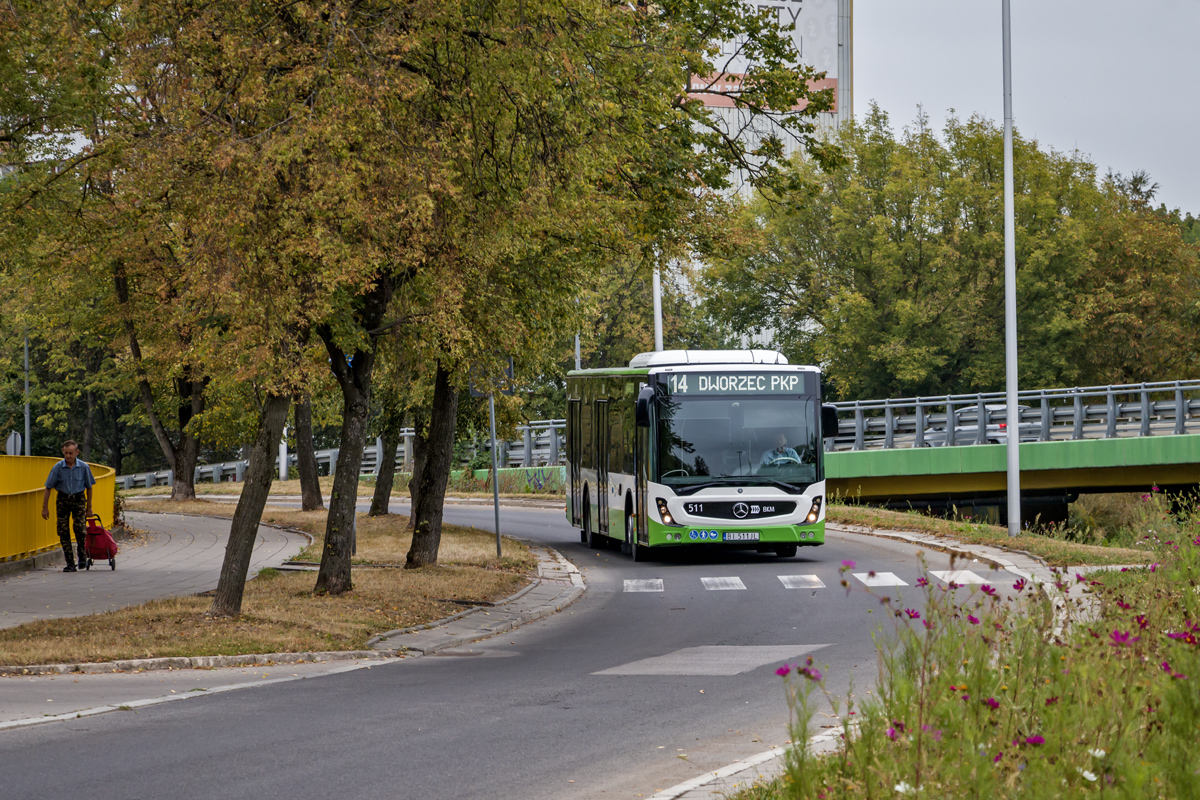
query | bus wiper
(735,480)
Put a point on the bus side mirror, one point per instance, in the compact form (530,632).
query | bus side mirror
(642,412)
(829,421)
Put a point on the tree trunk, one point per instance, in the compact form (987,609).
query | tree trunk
(257,485)
(191,404)
(420,450)
(393,424)
(435,472)
(306,458)
(355,379)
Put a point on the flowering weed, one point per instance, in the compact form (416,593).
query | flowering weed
(990,697)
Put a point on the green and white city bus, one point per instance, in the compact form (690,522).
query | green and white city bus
(712,448)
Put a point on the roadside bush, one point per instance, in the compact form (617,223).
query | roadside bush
(1002,697)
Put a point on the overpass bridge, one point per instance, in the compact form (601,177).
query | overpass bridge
(938,453)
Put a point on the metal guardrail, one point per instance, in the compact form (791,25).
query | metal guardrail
(540,443)
(1091,412)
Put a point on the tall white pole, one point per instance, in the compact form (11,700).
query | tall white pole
(658,345)
(578,360)
(1010,297)
(28,437)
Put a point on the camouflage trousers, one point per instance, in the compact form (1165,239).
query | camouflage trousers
(71,508)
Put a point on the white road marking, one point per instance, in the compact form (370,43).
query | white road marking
(713,660)
(959,576)
(644,585)
(722,584)
(879,579)
(801,582)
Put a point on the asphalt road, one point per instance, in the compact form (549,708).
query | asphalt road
(622,694)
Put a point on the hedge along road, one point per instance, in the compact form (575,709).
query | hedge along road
(634,688)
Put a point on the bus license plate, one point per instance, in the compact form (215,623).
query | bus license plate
(741,536)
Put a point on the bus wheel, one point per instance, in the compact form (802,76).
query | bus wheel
(785,550)
(593,539)
(637,552)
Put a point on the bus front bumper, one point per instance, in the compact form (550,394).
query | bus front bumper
(737,537)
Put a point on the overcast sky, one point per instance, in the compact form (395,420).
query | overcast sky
(1117,80)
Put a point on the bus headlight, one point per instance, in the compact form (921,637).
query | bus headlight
(663,512)
(814,513)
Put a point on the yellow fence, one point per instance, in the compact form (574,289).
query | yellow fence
(23,532)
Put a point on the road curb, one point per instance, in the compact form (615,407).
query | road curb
(196,662)
(702,786)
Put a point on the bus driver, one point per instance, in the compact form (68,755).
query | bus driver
(782,454)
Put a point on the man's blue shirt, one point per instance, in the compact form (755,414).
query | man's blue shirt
(772,455)
(70,480)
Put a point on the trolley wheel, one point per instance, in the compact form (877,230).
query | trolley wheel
(112,562)
(785,550)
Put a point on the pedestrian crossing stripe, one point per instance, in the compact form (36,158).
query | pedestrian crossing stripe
(801,582)
(644,585)
(722,584)
(879,579)
(960,576)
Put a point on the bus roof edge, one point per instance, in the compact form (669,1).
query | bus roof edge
(675,358)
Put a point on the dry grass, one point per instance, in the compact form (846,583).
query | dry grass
(381,540)
(280,614)
(1055,552)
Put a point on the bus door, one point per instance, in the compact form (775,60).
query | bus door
(639,482)
(600,426)
(574,440)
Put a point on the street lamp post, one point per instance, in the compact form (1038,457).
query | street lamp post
(658,343)
(1010,296)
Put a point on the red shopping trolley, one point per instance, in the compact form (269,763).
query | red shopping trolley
(100,543)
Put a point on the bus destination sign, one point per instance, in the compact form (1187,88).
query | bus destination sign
(734,383)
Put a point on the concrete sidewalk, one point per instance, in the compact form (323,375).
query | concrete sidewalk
(180,555)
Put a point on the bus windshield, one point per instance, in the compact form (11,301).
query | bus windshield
(737,441)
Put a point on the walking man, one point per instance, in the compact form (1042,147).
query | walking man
(73,481)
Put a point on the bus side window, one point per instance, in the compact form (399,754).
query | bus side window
(616,439)
(585,436)
(630,438)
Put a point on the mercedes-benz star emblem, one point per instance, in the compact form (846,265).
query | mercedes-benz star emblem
(740,510)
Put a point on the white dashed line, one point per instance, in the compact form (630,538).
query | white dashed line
(959,576)
(644,585)
(722,584)
(801,582)
(879,579)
